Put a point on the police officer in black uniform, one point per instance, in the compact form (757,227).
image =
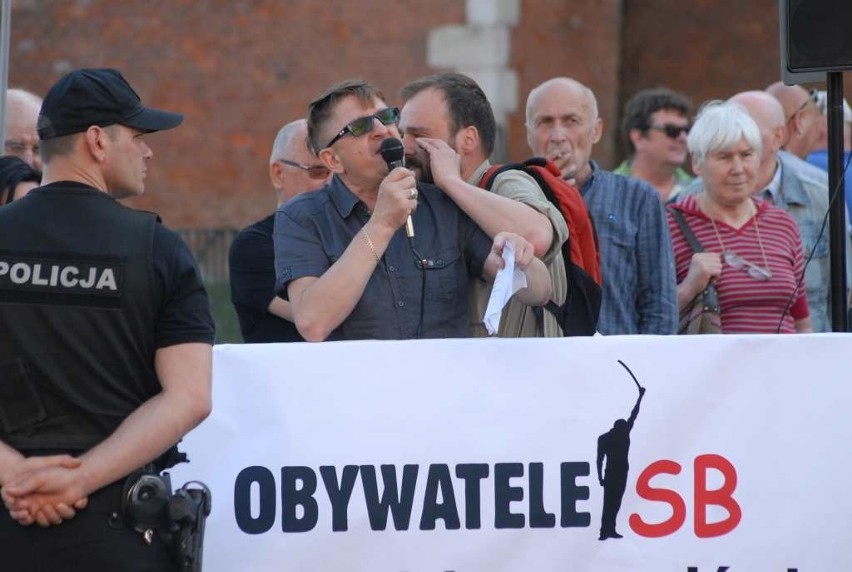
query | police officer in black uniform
(105,338)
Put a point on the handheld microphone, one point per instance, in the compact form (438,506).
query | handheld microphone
(393,153)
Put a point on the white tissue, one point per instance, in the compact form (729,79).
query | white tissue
(508,281)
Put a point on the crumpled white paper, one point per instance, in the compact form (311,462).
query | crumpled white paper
(508,281)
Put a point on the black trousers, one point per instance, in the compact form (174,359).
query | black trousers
(96,539)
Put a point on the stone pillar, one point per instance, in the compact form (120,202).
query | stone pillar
(481,49)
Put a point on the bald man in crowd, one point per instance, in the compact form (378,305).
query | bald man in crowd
(819,156)
(21,134)
(263,316)
(799,188)
(803,119)
(637,261)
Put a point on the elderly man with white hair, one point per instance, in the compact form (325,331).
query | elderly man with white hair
(802,117)
(636,252)
(819,155)
(20,137)
(263,316)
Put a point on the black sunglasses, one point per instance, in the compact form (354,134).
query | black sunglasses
(357,127)
(314,171)
(671,131)
(813,97)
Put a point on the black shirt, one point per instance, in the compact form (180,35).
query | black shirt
(252,269)
(89,291)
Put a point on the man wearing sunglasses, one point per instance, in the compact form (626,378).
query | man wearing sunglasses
(803,118)
(655,125)
(819,156)
(263,316)
(343,257)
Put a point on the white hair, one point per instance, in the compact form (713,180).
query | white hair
(18,95)
(567,82)
(285,139)
(21,104)
(822,105)
(719,125)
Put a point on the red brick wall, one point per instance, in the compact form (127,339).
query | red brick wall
(708,49)
(576,38)
(238,70)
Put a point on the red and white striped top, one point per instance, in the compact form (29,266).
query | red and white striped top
(749,306)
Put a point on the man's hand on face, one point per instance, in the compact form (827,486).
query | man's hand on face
(561,159)
(444,162)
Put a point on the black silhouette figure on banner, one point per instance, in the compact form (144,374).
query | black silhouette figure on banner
(614,446)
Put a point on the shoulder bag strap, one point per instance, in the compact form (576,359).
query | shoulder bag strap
(686,230)
(711,298)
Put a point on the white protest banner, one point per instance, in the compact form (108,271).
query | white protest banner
(482,455)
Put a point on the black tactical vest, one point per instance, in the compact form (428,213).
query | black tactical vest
(78,310)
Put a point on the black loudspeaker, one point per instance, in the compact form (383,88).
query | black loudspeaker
(816,35)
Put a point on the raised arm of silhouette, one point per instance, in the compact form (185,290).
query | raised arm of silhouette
(614,446)
(635,412)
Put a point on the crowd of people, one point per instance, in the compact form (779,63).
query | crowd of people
(347,238)
(383,230)
(339,258)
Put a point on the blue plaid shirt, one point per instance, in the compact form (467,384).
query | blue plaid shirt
(637,261)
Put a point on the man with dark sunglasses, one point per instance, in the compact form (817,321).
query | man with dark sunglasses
(803,118)
(344,257)
(263,316)
(819,156)
(654,127)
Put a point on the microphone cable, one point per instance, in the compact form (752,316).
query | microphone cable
(421,264)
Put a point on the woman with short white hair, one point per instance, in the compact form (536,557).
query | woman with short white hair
(749,250)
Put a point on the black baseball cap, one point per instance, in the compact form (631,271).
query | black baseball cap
(100,97)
